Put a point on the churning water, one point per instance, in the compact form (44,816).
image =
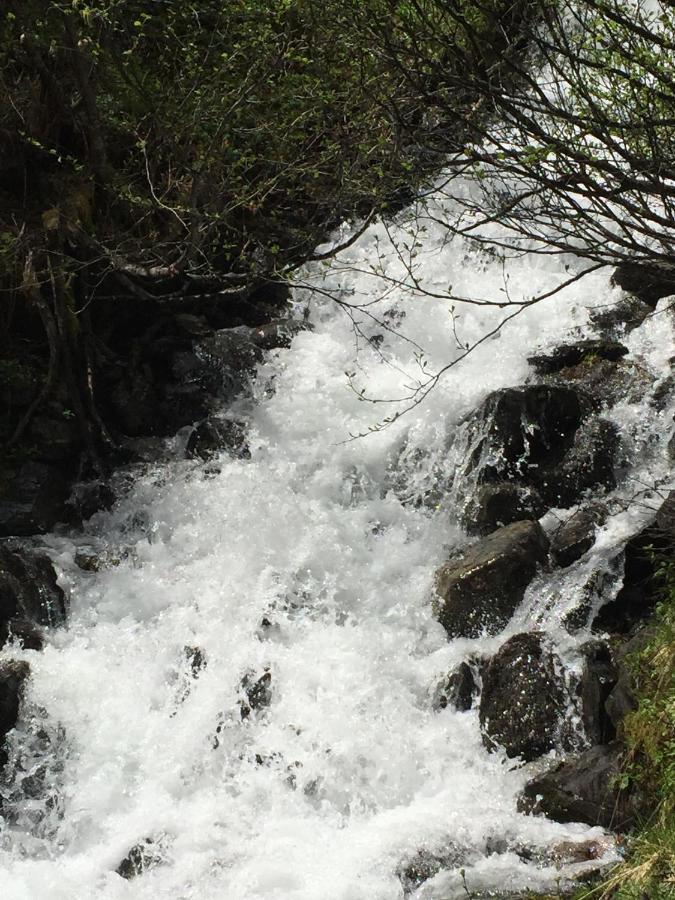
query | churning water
(312,562)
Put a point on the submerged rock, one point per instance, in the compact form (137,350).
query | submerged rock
(577,534)
(586,788)
(480,592)
(524,699)
(143,856)
(258,692)
(624,315)
(572,354)
(457,690)
(425,864)
(13,676)
(213,435)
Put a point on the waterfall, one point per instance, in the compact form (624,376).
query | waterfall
(246,682)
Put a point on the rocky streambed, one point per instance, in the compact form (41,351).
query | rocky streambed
(548,584)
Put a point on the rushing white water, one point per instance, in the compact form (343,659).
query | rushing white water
(348,772)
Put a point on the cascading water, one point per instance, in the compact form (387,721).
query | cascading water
(305,573)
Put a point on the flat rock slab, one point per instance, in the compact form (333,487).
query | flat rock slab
(480,592)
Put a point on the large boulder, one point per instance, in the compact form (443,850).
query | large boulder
(538,439)
(572,354)
(636,599)
(589,463)
(524,699)
(577,534)
(480,592)
(586,788)
(520,429)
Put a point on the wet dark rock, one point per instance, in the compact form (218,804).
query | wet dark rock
(28,587)
(522,429)
(221,364)
(88,498)
(622,700)
(32,499)
(143,856)
(538,436)
(585,788)
(13,676)
(481,591)
(457,690)
(258,693)
(588,464)
(501,504)
(572,354)
(21,631)
(624,315)
(664,388)
(598,679)
(601,383)
(425,864)
(278,333)
(638,595)
(577,534)
(597,586)
(214,435)
(196,659)
(647,281)
(523,699)
(88,561)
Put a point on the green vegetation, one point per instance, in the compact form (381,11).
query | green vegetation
(161,150)
(649,732)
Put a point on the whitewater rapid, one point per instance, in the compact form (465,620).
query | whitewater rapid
(310,562)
